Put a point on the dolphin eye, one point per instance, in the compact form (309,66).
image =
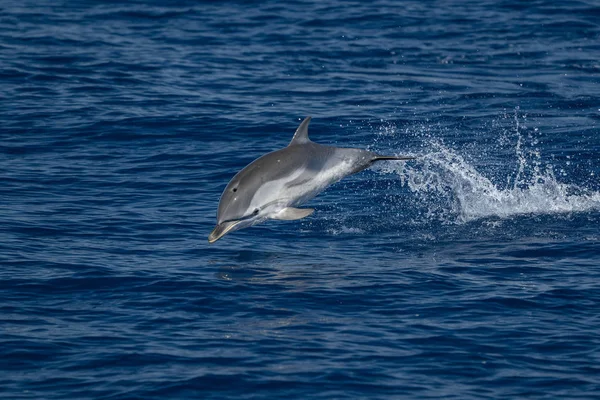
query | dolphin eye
(256,210)
(235,189)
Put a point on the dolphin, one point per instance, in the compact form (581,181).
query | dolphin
(274,185)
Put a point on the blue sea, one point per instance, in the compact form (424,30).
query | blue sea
(472,272)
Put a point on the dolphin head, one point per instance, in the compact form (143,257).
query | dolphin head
(235,211)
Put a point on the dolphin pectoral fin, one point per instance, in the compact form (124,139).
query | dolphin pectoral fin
(291,213)
(221,230)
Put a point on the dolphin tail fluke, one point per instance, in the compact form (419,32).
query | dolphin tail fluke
(397,158)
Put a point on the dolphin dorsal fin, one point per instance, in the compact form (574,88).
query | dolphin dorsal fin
(301,135)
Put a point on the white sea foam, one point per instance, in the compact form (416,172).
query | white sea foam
(345,230)
(451,186)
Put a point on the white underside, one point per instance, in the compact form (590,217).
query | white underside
(274,196)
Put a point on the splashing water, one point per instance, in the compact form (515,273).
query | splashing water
(454,191)
(474,196)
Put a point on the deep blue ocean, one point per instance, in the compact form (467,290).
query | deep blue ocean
(472,272)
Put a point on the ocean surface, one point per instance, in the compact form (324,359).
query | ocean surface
(472,272)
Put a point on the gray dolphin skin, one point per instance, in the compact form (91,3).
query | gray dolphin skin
(274,185)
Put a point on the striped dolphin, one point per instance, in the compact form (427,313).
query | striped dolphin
(274,185)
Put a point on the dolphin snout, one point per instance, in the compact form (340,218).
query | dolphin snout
(221,230)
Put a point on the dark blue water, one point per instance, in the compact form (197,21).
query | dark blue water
(472,272)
